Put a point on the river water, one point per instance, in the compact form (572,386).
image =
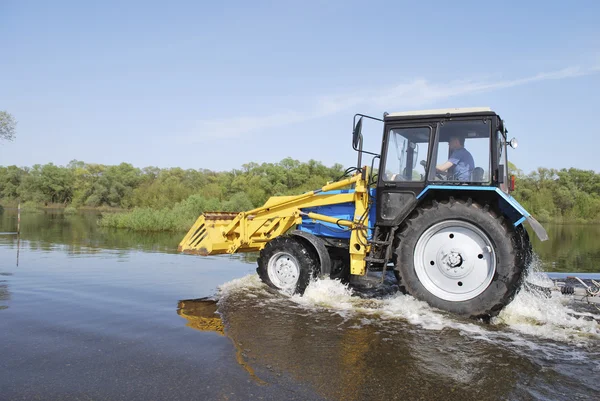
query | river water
(104,314)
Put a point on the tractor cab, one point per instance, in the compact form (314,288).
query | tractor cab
(442,147)
(452,149)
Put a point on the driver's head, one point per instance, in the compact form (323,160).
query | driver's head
(456,142)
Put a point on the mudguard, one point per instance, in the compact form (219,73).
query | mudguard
(319,246)
(509,205)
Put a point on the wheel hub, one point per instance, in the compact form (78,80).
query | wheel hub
(283,270)
(454,260)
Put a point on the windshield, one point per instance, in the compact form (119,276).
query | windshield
(406,156)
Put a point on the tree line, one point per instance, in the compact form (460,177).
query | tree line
(124,186)
(565,195)
(560,195)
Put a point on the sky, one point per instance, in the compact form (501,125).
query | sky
(205,84)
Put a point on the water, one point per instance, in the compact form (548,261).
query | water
(105,314)
(570,248)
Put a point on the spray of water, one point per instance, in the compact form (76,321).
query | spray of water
(532,313)
(553,316)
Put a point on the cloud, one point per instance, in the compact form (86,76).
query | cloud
(416,93)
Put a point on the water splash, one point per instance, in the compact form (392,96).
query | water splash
(531,313)
(327,293)
(553,316)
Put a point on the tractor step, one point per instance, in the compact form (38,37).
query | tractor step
(375,242)
(374,260)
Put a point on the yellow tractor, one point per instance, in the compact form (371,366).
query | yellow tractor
(437,210)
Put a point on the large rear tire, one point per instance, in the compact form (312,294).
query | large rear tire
(461,257)
(288,263)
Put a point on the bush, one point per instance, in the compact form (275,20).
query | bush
(31,207)
(238,203)
(179,218)
(70,209)
(544,216)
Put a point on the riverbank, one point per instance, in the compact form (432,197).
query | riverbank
(183,215)
(32,206)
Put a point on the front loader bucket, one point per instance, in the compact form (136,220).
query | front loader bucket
(206,235)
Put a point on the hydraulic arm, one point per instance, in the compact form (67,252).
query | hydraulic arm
(222,232)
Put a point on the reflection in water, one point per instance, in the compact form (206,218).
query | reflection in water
(18,247)
(4,293)
(79,233)
(570,248)
(358,351)
(201,314)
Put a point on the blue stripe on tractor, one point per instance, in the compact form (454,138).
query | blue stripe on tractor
(345,211)
(510,201)
(342,211)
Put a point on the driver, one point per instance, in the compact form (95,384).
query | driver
(460,164)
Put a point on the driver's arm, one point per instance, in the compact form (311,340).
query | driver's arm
(442,168)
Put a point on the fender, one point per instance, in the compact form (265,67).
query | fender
(509,205)
(319,245)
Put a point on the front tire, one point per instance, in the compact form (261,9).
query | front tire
(460,257)
(287,264)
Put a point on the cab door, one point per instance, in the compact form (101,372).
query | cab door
(403,170)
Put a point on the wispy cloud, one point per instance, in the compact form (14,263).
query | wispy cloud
(417,93)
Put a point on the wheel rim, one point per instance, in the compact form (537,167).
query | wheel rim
(283,270)
(455,260)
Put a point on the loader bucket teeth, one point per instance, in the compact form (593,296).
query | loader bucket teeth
(205,236)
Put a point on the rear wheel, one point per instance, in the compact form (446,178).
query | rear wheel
(460,257)
(287,264)
(523,245)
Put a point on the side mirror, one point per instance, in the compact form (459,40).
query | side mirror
(513,143)
(356,134)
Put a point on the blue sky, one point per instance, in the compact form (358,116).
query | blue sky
(219,84)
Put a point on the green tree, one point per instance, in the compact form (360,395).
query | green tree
(8,126)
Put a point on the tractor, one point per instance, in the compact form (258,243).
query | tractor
(436,210)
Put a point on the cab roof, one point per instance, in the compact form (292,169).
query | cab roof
(441,112)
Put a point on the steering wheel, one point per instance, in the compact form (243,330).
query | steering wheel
(437,174)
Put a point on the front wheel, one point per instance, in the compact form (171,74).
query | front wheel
(287,264)
(460,257)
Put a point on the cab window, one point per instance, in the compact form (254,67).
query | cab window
(406,156)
